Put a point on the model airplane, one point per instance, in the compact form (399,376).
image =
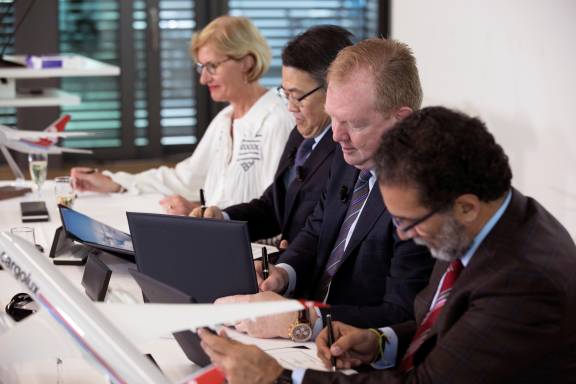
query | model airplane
(107,333)
(40,141)
(37,142)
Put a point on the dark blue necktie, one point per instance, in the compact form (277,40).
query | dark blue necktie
(361,190)
(302,154)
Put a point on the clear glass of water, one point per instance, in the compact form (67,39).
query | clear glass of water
(26,233)
(38,164)
(65,195)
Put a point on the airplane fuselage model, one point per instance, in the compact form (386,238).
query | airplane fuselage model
(106,333)
(37,141)
(40,141)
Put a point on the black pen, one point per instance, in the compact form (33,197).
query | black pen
(330,339)
(202,201)
(210,330)
(265,267)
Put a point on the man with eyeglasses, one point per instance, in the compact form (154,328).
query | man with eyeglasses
(281,211)
(348,254)
(500,308)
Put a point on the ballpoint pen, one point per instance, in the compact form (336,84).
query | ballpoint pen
(265,267)
(330,339)
(202,201)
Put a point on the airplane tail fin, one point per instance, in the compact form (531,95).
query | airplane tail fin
(59,125)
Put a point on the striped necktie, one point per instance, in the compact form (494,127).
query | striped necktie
(425,327)
(361,190)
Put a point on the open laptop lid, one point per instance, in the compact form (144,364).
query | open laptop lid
(205,259)
(88,231)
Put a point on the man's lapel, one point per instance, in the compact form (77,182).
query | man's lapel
(324,148)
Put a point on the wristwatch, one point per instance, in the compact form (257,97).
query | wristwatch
(301,330)
(285,377)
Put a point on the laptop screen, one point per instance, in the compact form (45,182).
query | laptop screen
(203,258)
(87,230)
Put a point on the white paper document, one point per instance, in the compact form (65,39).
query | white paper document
(291,358)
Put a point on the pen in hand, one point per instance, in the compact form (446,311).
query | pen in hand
(265,266)
(330,339)
(202,201)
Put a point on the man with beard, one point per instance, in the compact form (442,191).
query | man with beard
(500,309)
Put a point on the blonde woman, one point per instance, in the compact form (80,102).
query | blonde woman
(238,155)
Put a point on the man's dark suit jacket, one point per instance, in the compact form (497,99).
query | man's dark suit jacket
(380,276)
(273,212)
(510,317)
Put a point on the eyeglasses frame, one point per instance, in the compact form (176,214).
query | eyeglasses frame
(282,93)
(214,65)
(416,222)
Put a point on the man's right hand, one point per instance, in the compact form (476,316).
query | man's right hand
(277,280)
(89,179)
(353,346)
(212,212)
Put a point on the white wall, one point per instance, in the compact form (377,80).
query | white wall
(513,63)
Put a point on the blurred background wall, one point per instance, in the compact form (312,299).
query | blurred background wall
(513,63)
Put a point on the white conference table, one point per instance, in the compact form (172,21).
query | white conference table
(109,209)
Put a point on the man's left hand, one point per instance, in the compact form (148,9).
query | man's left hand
(240,363)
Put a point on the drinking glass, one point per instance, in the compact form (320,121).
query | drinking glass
(26,233)
(38,163)
(65,195)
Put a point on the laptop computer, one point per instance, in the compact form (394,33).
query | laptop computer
(203,258)
(88,231)
(155,291)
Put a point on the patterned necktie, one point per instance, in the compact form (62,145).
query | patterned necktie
(361,190)
(425,327)
(302,154)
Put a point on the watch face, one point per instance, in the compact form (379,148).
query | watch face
(301,332)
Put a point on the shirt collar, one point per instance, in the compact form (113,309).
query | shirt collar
(321,135)
(486,230)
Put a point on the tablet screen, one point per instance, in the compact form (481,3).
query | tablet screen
(88,230)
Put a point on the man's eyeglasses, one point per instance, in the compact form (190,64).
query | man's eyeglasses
(287,96)
(405,225)
(211,67)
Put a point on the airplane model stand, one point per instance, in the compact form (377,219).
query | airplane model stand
(16,171)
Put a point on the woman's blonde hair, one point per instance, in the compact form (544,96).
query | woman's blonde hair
(236,37)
